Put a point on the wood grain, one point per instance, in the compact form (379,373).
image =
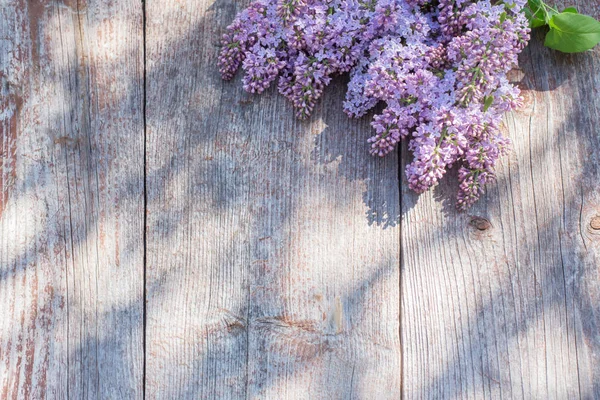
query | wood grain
(71,199)
(273,244)
(510,309)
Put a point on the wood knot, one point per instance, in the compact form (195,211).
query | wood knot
(481,224)
(595,223)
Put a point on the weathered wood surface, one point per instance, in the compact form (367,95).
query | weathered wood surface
(71,199)
(282,261)
(513,310)
(273,247)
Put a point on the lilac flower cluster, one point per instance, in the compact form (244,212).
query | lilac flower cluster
(438,66)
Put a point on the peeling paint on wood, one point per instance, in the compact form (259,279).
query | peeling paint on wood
(282,260)
(71,169)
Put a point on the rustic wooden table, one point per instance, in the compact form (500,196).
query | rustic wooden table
(163,234)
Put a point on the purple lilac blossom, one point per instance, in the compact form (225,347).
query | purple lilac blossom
(438,66)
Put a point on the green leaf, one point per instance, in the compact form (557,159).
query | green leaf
(572,33)
(536,23)
(570,10)
(536,9)
(487,102)
(538,13)
(549,14)
(534,4)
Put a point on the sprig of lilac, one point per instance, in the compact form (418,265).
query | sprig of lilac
(438,66)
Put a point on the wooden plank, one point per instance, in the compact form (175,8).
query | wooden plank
(512,310)
(71,199)
(273,244)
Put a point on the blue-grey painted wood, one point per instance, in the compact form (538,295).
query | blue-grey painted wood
(502,301)
(71,199)
(273,243)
